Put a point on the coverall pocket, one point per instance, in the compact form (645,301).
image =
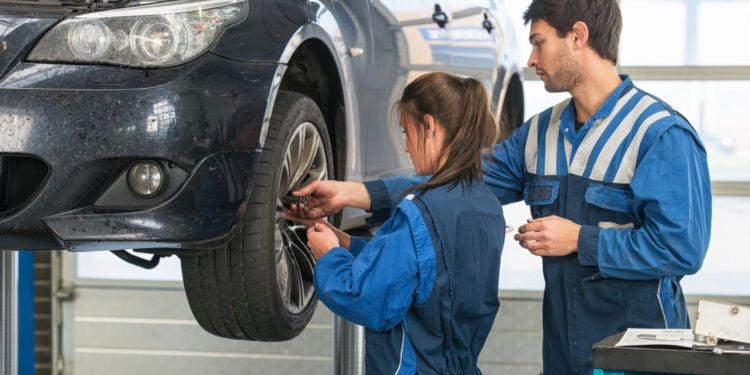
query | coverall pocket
(632,302)
(542,196)
(609,206)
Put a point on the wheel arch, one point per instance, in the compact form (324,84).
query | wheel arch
(315,63)
(312,71)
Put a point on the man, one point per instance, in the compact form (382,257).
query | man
(616,180)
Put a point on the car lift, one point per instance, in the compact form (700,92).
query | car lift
(8,312)
(348,348)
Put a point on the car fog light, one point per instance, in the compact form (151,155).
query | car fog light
(145,178)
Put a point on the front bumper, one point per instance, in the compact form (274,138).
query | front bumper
(88,124)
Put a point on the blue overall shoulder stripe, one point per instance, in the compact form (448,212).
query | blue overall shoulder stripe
(613,125)
(562,159)
(544,120)
(675,118)
(425,250)
(653,109)
(653,134)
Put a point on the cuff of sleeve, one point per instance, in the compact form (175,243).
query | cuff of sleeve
(381,201)
(357,244)
(326,265)
(588,245)
(335,253)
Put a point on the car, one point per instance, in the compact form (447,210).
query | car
(155,128)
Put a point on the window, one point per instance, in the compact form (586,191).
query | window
(684,32)
(691,54)
(105,265)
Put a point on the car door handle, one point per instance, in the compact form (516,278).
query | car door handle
(487,24)
(439,17)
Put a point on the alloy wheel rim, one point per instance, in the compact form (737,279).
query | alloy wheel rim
(304,162)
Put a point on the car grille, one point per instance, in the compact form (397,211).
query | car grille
(21,177)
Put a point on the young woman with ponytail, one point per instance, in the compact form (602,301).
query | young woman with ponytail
(425,286)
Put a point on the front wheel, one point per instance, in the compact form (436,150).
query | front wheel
(260,286)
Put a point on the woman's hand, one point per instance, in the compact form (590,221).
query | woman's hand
(328,197)
(321,239)
(292,215)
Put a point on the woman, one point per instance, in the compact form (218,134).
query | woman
(425,286)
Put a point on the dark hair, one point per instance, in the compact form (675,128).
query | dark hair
(463,109)
(602,17)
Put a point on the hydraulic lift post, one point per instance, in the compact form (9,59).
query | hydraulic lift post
(348,348)
(8,312)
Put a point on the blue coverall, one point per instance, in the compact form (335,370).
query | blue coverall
(635,177)
(425,286)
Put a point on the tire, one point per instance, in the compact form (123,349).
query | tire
(509,121)
(511,114)
(506,124)
(260,285)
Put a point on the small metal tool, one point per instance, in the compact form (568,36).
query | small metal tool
(289,200)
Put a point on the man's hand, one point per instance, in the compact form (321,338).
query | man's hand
(328,197)
(549,236)
(321,239)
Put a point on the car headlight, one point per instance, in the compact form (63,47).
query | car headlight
(154,35)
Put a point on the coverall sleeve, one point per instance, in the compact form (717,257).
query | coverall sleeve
(503,173)
(385,194)
(672,196)
(357,244)
(376,288)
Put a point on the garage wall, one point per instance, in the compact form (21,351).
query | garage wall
(125,328)
(148,329)
(120,327)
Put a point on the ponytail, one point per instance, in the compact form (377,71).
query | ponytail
(462,108)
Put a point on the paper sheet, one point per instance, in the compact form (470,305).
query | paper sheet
(666,337)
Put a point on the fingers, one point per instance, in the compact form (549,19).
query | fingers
(308,189)
(321,239)
(534,245)
(541,219)
(295,217)
(532,225)
(530,236)
(528,243)
(537,248)
(290,216)
(318,227)
(541,253)
(300,212)
(295,213)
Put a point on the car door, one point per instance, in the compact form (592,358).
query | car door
(407,44)
(477,43)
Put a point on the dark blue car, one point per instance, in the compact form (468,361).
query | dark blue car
(180,127)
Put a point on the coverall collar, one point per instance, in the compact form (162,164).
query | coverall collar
(568,117)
